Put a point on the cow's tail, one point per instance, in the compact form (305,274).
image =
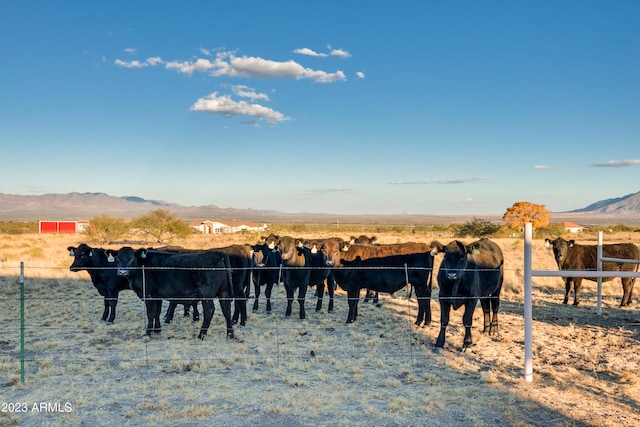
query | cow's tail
(227,265)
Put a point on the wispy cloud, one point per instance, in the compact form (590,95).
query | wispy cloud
(227,107)
(131,50)
(341,53)
(309,52)
(149,62)
(324,190)
(617,163)
(360,74)
(247,92)
(542,167)
(440,181)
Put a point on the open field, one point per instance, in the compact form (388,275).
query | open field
(280,371)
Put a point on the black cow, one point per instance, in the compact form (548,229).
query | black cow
(158,275)
(382,268)
(469,273)
(242,262)
(571,256)
(104,277)
(321,274)
(267,261)
(296,273)
(366,240)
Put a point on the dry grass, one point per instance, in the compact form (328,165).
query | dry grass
(380,370)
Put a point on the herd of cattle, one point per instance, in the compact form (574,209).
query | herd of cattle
(467,274)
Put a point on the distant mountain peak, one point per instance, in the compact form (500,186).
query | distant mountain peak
(626,205)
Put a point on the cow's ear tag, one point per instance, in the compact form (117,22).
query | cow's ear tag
(91,252)
(300,244)
(314,250)
(110,258)
(546,244)
(143,254)
(475,251)
(272,246)
(71,252)
(345,248)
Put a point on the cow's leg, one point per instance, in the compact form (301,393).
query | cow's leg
(367,295)
(289,291)
(352,301)
(577,285)
(207,314)
(156,316)
(225,306)
(168,316)
(302,293)
(445,308)
(105,312)
(467,321)
(152,315)
(567,287)
(331,288)
(423,295)
(320,290)
(196,313)
(113,302)
(267,294)
(627,290)
(256,291)
(242,306)
(486,311)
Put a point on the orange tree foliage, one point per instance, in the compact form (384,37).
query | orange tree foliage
(523,212)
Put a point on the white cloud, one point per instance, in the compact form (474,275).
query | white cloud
(131,50)
(188,68)
(247,92)
(360,74)
(227,107)
(440,181)
(340,53)
(309,52)
(542,167)
(617,163)
(137,64)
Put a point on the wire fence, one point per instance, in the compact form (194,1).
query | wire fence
(54,324)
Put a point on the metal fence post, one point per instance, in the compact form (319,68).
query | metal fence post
(22,322)
(528,306)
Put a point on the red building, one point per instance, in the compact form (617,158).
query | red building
(63,226)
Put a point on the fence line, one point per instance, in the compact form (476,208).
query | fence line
(529,273)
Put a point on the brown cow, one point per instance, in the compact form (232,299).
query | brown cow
(571,256)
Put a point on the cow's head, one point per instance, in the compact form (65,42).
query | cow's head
(266,256)
(560,248)
(332,251)
(81,256)
(128,260)
(455,260)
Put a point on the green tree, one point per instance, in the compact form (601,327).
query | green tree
(476,228)
(523,212)
(161,225)
(107,229)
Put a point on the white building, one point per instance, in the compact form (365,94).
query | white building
(217,227)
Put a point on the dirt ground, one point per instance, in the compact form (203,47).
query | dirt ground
(381,370)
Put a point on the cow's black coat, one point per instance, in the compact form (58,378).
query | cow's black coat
(199,276)
(469,273)
(103,276)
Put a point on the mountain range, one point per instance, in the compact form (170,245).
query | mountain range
(76,206)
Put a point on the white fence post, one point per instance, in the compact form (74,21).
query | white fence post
(528,304)
(599,253)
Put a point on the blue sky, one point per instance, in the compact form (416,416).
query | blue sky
(346,107)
